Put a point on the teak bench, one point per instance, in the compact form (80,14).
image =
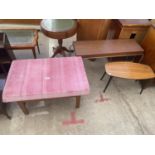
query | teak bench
(108,48)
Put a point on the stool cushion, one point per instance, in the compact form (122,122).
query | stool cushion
(45,79)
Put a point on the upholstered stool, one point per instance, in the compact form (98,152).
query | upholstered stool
(43,79)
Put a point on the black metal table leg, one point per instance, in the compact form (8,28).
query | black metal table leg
(103,76)
(107,83)
(142,86)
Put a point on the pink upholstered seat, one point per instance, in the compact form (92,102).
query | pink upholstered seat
(45,78)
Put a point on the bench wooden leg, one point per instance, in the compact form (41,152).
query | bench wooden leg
(22,105)
(34,52)
(78,101)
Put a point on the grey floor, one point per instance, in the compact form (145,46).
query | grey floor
(121,110)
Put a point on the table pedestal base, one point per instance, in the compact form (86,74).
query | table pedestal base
(60,49)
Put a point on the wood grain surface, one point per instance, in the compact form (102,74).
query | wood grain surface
(129,70)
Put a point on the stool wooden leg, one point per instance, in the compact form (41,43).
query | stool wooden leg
(34,52)
(78,101)
(65,49)
(103,76)
(63,53)
(38,47)
(55,52)
(23,107)
(68,50)
(107,84)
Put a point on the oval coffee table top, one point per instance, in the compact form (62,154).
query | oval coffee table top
(59,28)
(129,70)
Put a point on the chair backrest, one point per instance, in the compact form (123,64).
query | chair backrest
(148,45)
(6,53)
(5,47)
(92,29)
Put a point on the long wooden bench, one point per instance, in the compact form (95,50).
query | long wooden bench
(108,48)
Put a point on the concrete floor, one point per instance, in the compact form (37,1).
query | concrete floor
(121,110)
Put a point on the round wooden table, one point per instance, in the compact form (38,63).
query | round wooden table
(59,29)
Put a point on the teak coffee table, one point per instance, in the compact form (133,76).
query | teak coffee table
(42,79)
(128,70)
(108,48)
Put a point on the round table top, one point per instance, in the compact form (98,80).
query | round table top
(59,28)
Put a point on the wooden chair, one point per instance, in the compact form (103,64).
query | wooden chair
(22,39)
(6,54)
(128,70)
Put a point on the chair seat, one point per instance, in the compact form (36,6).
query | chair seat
(129,70)
(22,39)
